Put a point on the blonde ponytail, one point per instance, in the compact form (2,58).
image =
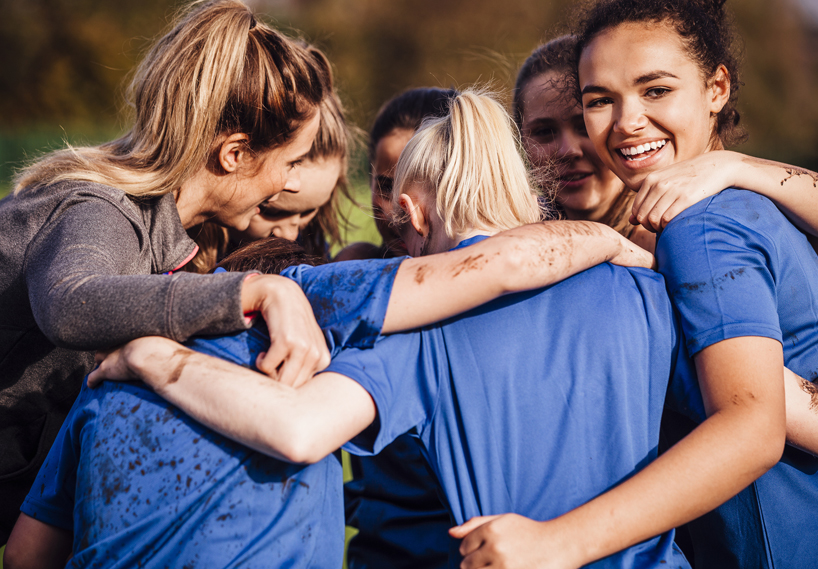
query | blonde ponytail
(470,159)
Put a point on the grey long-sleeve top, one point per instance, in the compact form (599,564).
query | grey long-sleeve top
(80,270)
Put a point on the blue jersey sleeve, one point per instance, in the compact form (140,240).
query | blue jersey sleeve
(720,275)
(402,378)
(51,498)
(349,299)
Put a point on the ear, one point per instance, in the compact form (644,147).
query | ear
(233,151)
(719,89)
(417,215)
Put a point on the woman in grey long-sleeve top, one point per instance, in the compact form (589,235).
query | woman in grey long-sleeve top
(224,109)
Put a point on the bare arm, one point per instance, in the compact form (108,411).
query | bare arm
(429,289)
(36,545)
(742,386)
(301,425)
(666,193)
(802,412)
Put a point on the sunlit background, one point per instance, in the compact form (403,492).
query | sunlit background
(64,62)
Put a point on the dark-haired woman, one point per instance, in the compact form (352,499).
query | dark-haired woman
(556,142)
(393,499)
(658,86)
(396,122)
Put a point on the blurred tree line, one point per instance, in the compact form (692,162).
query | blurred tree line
(65,62)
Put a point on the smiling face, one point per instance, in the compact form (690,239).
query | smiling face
(256,179)
(553,131)
(646,103)
(289,212)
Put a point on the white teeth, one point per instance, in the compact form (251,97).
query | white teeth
(642,148)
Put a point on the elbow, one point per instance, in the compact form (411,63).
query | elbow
(512,274)
(770,445)
(300,446)
(15,557)
(63,327)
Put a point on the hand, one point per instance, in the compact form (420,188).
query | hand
(510,541)
(666,193)
(632,255)
(124,363)
(298,349)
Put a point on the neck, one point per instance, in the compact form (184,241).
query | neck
(474,233)
(192,199)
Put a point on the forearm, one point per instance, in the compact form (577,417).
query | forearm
(702,471)
(296,425)
(802,412)
(436,287)
(794,190)
(88,311)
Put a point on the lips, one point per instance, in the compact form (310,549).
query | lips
(642,151)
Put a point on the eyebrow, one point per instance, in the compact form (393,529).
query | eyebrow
(641,80)
(540,122)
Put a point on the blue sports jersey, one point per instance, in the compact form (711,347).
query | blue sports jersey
(142,484)
(536,402)
(736,267)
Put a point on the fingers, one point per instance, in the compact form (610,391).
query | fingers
(461,531)
(478,559)
(297,346)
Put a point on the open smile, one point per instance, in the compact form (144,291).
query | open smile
(644,155)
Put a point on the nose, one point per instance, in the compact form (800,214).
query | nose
(629,117)
(569,146)
(287,228)
(293,181)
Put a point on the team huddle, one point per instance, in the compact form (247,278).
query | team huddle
(589,337)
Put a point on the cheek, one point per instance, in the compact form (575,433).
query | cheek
(259,227)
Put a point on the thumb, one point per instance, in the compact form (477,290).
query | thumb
(461,531)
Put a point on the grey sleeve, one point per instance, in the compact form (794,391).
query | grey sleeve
(83,297)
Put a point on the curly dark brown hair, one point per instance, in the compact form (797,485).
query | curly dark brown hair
(705,28)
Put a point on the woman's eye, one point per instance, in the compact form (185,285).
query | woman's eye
(308,213)
(295,164)
(656,92)
(598,102)
(271,212)
(543,133)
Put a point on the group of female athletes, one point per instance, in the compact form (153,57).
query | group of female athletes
(238,136)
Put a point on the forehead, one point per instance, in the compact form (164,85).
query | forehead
(626,52)
(544,98)
(318,179)
(388,150)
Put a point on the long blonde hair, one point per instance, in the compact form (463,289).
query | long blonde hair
(470,159)
(218,71)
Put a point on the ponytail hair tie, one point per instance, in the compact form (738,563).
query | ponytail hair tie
(252,21)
